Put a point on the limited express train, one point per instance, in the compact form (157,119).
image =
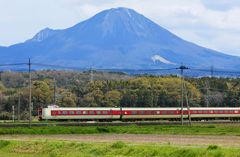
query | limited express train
(53,112)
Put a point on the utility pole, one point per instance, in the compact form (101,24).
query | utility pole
(182,67)
(189,114)
(19,103)
(212,70)
(91,75)
(54,91)
(13,112)
(30,113)
(207,96)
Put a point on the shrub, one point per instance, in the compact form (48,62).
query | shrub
(118,144)
(212,147)
(102,129)
(211,126)
(4,143)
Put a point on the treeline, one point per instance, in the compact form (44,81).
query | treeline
(150,91)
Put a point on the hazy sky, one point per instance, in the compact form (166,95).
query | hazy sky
(214,24)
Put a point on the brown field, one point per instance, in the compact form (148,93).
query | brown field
(178,140)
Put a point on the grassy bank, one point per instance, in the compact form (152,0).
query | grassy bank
(50,148)
(218,129)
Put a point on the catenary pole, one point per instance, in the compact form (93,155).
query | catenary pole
(188,108)
(181,95)
(182,67)
(54,91)
(30,113)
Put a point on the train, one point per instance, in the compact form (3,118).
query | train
(109,114)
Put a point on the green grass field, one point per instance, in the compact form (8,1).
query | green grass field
(63,148)
(42,147)
(196,129)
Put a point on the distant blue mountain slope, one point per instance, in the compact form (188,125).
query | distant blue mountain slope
(116,38)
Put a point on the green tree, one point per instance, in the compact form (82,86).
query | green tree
(112,98)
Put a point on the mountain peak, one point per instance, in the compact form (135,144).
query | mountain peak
(118,38)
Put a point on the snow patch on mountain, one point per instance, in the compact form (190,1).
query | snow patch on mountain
(159,58)
(132,17)
(43,34)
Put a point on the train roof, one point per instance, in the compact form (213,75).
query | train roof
(143,108)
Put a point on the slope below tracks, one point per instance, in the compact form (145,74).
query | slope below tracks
(92,123)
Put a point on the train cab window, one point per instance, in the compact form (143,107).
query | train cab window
(149,112)
(105,112)
(163,112)
(78,112)
(199,111)
(205,111)
(156,112)
(226,111)
(215,111)
(98,112)
(85,112)
(194,111)
(133,112)
(64,112)
(141,112)
(220,111)
(92,112)
(171,112)
(235,111)
(231,111)
(210,111)
(59,112)
(71,112)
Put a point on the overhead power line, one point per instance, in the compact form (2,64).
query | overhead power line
(122,70)
(13,64)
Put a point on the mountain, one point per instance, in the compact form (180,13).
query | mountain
(116,38)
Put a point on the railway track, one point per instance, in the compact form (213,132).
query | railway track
(83,124)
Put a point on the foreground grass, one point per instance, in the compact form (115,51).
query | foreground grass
(50,148)
(218,129)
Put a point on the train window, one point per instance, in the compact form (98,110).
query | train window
(231,111)
(64,112)
(149,112)
(164,112)
(220,111)
(85,112)
(156,112)
(235,111)
(194,111)
(210,111)
(215,111)
(92,112)
(133,112)
(199,111)
(78,112)
(205,111)
(171,112)
(71,112)
(226,111)
(98,112)
(54,112)
(141,112)
(105,112)
(59,112)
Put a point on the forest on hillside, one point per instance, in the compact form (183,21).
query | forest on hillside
(74,89)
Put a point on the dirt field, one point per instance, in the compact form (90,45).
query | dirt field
(183,140)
